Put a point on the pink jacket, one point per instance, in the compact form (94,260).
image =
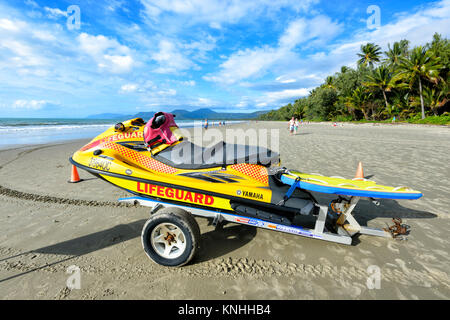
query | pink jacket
(163,134)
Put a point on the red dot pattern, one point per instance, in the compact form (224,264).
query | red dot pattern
(140,159)
(259,173)
(91,145)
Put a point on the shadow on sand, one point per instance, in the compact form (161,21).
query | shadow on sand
(366,210)
(85,244)
(223,240)
(390,209)
(213,244)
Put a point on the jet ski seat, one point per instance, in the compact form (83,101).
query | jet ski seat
(186,155)
(166,146)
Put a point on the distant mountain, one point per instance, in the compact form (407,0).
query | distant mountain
(199,114)
(109,116)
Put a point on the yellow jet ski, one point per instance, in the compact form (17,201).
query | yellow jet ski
(225,183)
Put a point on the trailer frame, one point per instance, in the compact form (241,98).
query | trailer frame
(345,225)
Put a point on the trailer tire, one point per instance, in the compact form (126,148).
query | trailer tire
(171,237)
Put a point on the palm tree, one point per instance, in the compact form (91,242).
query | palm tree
(329,82)
(400,103)
(383,79)
(420,65)
(441,48)
(434,97)
(358,101)
(344,69)
(370,53)
(300,108)
(394,54)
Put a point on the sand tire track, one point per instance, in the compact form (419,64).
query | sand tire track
(58,200)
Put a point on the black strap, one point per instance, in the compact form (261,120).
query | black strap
(154,140)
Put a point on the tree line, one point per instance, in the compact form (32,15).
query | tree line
(402,82)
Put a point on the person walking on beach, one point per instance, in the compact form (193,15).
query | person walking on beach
(291,126)
(296,124)
(206,124)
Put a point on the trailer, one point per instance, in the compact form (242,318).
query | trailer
(171,236)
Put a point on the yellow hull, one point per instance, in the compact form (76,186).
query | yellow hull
(139,173)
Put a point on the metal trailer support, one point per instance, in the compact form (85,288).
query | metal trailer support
(319,231)
(347,224)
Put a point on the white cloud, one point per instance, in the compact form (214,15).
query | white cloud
(417,27)
(282,80)
(43,35)
(127,88)
(30,104)
(116,63)
(215,25)
(245,64)
(307,71)
(255,62)
(55,12)
(168,92)
(39,57)
(273,98)
(31,3)
(185,83)
(294,34)
(320,28)
(286,94)
(97,45)
(109,54)
(189,83)
(205,102)
(170,59)
(113,5)
(22,55)
(243,103)
(199,49)
(217,12)
(10,25)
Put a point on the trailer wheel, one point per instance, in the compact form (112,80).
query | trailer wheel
(171,237)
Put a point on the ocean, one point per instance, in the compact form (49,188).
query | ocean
(22,131)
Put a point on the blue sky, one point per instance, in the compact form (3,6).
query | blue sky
(149,55)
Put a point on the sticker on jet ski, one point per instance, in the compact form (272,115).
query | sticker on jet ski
(252,222)
(101,164)
(249,194)
(114,137)
(295,231)
(175,194)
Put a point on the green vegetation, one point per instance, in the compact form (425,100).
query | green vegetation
(411,85)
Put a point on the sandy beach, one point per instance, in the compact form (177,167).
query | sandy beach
(47,225)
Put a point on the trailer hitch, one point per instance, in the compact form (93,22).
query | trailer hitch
(398,229)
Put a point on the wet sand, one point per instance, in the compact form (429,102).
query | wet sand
(47,225)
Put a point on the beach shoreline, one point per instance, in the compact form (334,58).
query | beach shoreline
(47,225)
(18,133)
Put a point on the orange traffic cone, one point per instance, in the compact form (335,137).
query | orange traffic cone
(74,178)
(359,172)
